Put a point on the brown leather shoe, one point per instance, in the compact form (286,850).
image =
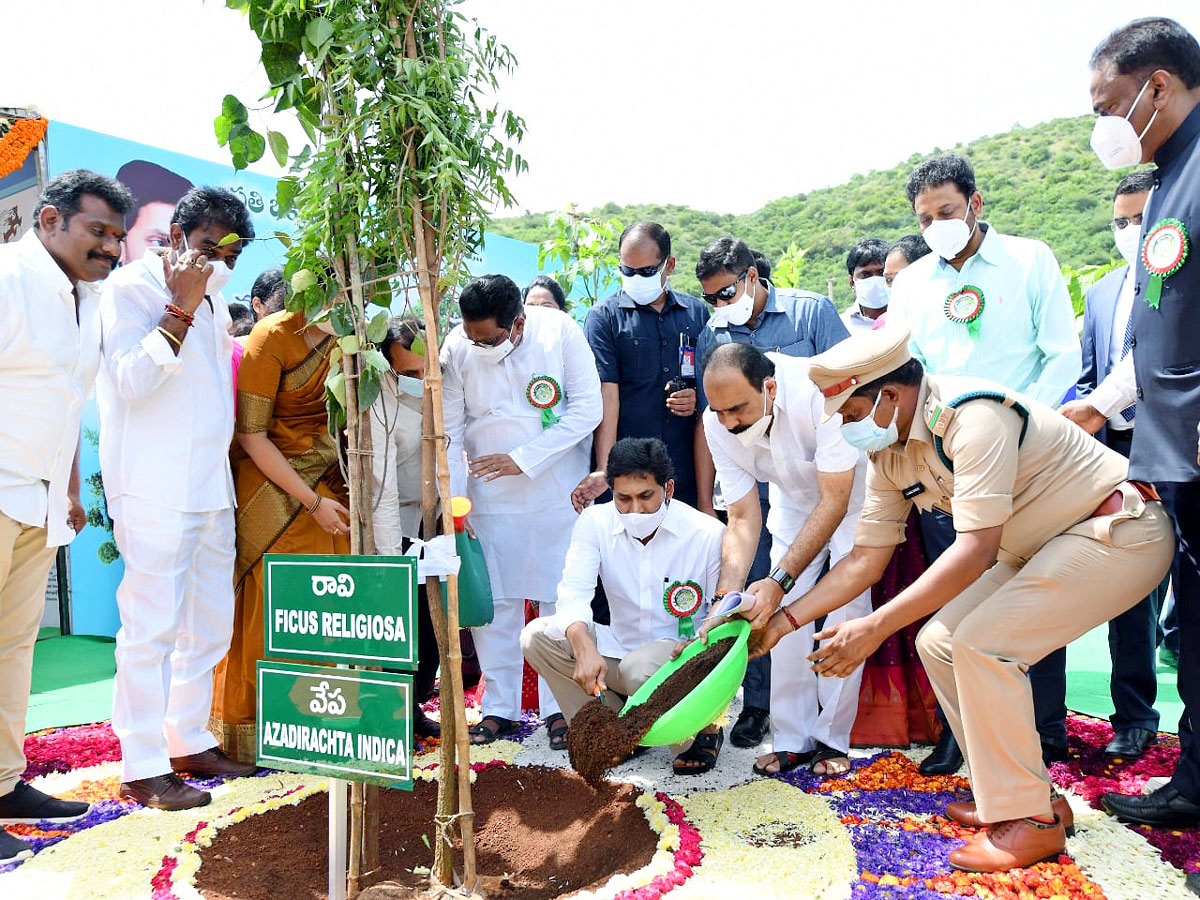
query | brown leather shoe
(1015,844)
(964,812)
(212,763)
(164,792)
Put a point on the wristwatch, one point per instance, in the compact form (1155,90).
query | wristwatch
(780,576)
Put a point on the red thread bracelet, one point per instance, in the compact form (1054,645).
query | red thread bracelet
(790,618)
(178,312)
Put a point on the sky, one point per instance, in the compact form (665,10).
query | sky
(721,106)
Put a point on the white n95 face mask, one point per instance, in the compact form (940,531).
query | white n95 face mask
(872,293)
(495,353)
(1128,241)
(948,237)
(642,525)
(738,312)
(218,277)
(1115,142)
(643,289)
(755,432)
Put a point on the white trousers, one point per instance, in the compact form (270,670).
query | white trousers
(176,606)
(498,646)
(805,707)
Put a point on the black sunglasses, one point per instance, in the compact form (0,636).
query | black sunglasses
(644,271)
(727,292)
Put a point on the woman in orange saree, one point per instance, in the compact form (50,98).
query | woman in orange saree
(290,493)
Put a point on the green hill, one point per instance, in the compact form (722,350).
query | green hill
(1041,182)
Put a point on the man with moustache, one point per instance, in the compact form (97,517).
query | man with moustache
(49,352)
(166,414)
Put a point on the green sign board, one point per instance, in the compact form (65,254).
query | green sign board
(341,723)
(341,609)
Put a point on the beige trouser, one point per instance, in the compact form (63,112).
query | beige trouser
(979,646)
(554,660)
(24,567)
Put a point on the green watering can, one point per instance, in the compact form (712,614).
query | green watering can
(474,587)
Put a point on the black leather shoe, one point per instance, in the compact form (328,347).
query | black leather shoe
(751,727)
(425,727)
(1130,743)
(1165,808)
(1052,752)
(946,758)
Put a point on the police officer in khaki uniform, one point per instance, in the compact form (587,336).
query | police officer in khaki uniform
(1051,540)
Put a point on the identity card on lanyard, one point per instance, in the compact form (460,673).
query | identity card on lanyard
(687,357)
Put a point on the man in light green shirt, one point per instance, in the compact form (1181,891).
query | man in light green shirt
(983,303)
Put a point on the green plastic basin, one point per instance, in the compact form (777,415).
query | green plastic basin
(708,699)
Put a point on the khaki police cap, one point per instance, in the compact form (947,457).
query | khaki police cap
(858,360)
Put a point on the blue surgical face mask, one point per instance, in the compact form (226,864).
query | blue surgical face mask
(414,387)
(867,435)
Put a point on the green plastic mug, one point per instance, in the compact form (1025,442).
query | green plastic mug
(708,699)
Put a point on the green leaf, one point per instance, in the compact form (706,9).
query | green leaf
(369,386)
(349,344)
(375,360)
(319,32)
(279,146)
(221,126)
(256,146)
(303,280)
(377,328)
(284,238)
(285,194)
(418,345)
(335,383)
(233,109)
(343,319)
(232,238)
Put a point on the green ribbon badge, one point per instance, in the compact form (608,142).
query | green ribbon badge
(682,599)
(544,393)
(964,307)
(1163,252)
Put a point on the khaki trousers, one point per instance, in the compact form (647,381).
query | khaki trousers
(24,567)
(979,646)
(554,660)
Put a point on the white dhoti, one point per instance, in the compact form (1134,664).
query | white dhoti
(176,606)
(807,708)
(525,556)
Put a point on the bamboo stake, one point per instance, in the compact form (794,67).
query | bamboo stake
(442,872)
(426,264)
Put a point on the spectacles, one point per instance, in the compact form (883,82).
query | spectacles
(1120,222)
(727,292)
(644,271)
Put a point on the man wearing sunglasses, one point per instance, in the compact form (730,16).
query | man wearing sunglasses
(748,309)
(644,340)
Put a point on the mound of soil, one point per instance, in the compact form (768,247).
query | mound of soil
(540,834)
(600,739)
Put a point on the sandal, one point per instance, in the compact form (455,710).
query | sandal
(482,734)
(826,754)
(785,759)
(556,727)
(704,750)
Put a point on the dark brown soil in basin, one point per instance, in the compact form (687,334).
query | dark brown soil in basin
(600,739)
(541,833)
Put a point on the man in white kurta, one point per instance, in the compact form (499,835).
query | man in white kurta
(49,352)
(521,401)
(764,424)
(166,422)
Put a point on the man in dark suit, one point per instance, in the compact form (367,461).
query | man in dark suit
(1147,74)
(1103,410)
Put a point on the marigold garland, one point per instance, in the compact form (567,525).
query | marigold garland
(16,143)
